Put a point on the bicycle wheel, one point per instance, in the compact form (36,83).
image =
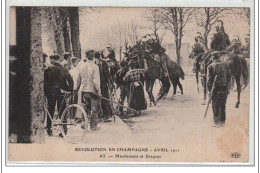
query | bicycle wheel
(74,123)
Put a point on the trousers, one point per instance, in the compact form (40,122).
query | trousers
(52,101)
(91,102)
(124,92)
(219,99)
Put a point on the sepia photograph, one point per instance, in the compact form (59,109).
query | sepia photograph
(129,84)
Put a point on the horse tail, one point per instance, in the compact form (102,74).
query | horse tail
(245,72)
(182,74)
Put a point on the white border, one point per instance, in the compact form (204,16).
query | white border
(144,3)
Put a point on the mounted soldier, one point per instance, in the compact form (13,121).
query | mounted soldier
(236,46)
(246,48)
(220,40)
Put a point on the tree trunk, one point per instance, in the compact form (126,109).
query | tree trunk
(28,95)
(58,30)
(74,24)
(66,37)
(120,53)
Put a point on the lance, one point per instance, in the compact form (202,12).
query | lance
(210,98)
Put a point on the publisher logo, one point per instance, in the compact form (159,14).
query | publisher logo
(235,155)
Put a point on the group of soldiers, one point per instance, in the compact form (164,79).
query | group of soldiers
(219,75)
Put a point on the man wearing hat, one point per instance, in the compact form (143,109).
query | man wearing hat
(67,61)
(89,86)
(220,40)
(221,90)
(111,54)
(56,79)
(112,62)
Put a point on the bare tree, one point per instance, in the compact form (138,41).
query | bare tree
(124,34)
(134,32)
(175,20)
(207,17)
(152,16)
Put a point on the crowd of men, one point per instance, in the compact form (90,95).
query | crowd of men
(96,77)
(90,76)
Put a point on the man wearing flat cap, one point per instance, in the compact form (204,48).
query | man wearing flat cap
(111,54)
(56,79)
(89,86)
(221,89)
(67,61)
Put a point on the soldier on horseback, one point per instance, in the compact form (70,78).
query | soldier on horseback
(220,40)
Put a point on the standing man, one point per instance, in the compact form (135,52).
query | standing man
(124,91)
(220,40)
(105,84)
(221,89)
(90,88)
(112,63)
(66,63)
(111,55)
(74,72)
(56,80)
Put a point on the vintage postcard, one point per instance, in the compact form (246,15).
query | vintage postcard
(130,85)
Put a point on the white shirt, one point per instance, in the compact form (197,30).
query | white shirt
(74,72)
(89,77)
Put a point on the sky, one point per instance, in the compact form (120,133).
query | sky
(95,25)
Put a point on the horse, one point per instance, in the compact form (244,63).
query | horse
(174,73)
(236,64)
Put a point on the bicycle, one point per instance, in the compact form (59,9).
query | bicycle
(73,123)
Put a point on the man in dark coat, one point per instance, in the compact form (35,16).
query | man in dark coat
(119,79)
(220,40)
(56,80)
(221,89)
(104,85)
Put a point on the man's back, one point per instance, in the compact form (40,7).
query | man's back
(90,77)
(55,78)
(220,69)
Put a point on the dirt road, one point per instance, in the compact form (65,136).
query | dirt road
(181,125)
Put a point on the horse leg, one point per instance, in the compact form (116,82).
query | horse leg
(166,88)
(181,88)
(149,90)
(147,86)
(203,82)
(174,84)
(238,90)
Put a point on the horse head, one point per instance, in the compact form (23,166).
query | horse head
(197,48)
